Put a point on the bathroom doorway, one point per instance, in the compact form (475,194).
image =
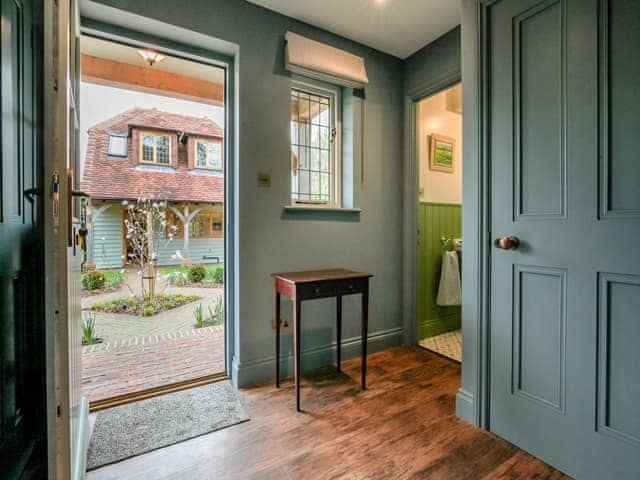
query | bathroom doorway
(439,220)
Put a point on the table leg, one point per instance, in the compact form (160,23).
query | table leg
(365,324)
(296,350)
(339,328)
(277,317)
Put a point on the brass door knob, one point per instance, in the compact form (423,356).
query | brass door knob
(507,243)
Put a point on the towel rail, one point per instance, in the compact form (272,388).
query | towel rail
(456,243)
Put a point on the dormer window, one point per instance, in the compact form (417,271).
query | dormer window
(208,155)
(155,148)
(117,146)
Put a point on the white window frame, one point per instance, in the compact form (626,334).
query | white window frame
(334,93)
(195,154)
(126,146)
(144,133)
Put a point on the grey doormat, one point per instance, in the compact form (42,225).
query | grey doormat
(139,427)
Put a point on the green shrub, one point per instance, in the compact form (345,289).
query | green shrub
(93,280)
(198,315)
(197,273)
(218,275)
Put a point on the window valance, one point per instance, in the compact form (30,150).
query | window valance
(320,61)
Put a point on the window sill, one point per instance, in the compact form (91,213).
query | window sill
(320,213)
(319,208)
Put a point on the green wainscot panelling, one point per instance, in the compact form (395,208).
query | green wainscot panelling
(435,220)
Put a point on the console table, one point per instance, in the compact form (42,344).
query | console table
(309,285)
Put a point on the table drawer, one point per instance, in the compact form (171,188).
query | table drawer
(316,290)
(351,285)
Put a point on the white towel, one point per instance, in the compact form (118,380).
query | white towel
(449,291)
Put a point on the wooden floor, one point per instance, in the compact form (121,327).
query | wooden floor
(403,426)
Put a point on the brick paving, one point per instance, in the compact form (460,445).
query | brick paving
(138,363)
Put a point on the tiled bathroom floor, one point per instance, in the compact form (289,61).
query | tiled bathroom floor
(448,344)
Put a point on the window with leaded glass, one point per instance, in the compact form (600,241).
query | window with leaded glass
(208,154)
(315,165)
(155,148)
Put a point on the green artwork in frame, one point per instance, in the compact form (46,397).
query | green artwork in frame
(441,156)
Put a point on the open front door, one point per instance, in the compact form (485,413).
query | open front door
(63,233)
(565,330)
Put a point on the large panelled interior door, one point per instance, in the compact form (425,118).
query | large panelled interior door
(565,214)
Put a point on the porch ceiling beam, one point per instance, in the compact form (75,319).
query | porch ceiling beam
(117,74)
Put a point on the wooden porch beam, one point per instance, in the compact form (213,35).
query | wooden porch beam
(117,74)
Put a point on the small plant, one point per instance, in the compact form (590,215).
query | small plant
(216,315)
(197,273)
(89,329)
(148,310)
(177,278)
(93,280)
(198,315)
(218,275)
(114,280)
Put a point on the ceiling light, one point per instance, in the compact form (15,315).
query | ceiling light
(151,56)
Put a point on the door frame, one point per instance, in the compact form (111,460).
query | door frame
(191,52)
(472,398)
(411,196)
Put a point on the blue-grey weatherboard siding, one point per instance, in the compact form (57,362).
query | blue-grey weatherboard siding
(106,243)
(266,240)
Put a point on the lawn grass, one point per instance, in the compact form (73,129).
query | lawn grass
(109,275)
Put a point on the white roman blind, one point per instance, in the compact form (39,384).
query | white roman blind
(316,60)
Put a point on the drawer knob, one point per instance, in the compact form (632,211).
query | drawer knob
(350,286)
(317,290)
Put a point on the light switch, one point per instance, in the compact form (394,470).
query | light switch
(264,179)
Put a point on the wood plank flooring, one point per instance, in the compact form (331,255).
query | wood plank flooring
(402,427)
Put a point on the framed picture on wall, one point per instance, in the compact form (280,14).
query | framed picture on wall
(441,153)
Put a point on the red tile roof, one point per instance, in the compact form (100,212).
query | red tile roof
(110,177)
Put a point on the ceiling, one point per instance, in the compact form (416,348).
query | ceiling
(125,54)
(397,27)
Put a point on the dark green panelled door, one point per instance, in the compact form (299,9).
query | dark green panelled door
(21,325)
(564,139)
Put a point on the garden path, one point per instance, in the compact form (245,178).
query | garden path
(112,327)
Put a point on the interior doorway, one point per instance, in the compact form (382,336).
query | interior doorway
(439,222)
(152,162)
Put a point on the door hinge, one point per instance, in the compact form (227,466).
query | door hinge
(59,411)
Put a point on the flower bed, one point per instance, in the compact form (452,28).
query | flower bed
(97,282)
(138,305)
(195,276)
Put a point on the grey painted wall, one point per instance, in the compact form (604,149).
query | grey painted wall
(270,242)
(435,61)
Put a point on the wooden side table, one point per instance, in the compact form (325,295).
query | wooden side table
(309,285)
